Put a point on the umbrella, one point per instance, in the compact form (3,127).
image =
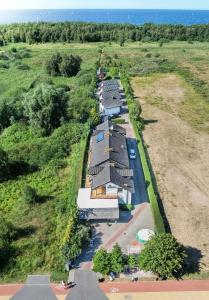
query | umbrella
(144,235)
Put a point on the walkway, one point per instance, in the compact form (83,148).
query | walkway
(144,290)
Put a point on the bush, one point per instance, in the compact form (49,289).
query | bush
(126,207)
(7,232)
(162,255)
(4,165)
(29,195)
(4,65)
(102,262)
(23,67)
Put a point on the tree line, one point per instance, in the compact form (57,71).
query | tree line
(91,32)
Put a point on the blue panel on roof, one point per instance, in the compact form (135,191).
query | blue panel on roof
(100,137)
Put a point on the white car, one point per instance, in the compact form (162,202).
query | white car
(132,154)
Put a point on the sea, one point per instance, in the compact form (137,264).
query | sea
(132,16)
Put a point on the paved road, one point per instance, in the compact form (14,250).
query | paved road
(36,288)
(143,290)
(86,287)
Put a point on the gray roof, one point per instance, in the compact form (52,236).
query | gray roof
(110,82)
(123,172)
(111,94)
(110,88)
(111,103)
(109,174)
(108,125)
(111,148)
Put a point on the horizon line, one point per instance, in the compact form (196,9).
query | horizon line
(12,9)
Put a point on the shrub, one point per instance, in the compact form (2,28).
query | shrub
(4,164)
(23,67)
(29,195)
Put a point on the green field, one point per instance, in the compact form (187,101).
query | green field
(36,247)
(42,229)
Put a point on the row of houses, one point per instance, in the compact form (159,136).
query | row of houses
(110,98)
(109,181)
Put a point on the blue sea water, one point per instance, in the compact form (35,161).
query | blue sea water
(133,16)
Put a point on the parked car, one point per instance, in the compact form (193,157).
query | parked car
(132,154)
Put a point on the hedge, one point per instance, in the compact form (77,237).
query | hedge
(159,224)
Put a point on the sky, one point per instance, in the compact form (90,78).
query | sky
(149,4)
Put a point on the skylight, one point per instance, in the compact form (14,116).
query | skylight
(100,137)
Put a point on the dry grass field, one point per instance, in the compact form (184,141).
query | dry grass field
(177,137)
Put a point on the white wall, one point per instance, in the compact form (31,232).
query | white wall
(112,111)
(124,196)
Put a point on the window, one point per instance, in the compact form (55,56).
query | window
(120,190)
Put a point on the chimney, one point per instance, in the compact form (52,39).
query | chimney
(108,150)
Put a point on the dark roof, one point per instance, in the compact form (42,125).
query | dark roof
(111,94)
(110,88)
(36,288)
(111,148)
(109,174)
(110,82)
(123,172)
(108,125)
(111,103)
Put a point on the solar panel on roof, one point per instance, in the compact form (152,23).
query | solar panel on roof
(100,137)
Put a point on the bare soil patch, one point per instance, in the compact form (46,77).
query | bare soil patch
(180,159)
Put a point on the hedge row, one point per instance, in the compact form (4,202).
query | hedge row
(138,125)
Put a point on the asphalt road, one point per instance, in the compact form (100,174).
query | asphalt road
(86,287)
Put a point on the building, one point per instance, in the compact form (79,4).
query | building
(110,107)
(101,73)
(109,182)
(110,98)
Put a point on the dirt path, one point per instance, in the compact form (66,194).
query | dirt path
(180,159)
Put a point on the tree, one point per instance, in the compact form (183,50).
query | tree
(4,162)
(132,261)
(7,232)
(117,259)
(102,262)
(66,65)
(45,107)
(70,65)
(162,255)
(77,235)
(29,195)
(122,40)
(53,63)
